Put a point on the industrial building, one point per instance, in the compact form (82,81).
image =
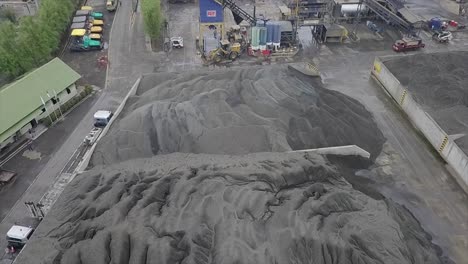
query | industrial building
(33,97)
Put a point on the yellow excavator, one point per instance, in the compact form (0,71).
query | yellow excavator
(227,50)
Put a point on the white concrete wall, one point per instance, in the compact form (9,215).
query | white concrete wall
(87,156)
(439,139)
(348,150)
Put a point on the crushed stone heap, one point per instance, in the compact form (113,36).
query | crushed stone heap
(236,111)
(439,83)
(199,208)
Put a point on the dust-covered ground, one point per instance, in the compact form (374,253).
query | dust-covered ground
(439,82)
(199,208)
(236,111)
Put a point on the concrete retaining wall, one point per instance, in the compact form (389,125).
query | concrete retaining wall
(439,139)
(87,157)
(348,150)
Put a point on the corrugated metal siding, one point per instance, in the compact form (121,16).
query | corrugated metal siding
(211,12)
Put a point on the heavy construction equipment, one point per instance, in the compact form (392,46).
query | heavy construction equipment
(227,50)
(237,34)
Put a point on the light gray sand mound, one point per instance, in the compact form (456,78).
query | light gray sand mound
(236,111)
(197,208)
(439,82)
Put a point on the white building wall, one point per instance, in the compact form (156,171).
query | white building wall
(64,97)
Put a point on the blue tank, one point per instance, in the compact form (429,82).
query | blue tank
(270,29)
(276,34)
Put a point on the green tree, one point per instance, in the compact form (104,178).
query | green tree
(152,17)
(32,42)
(12,62)
(35,39)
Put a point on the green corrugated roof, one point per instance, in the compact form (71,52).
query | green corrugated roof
(22,97)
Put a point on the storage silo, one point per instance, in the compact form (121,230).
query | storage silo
(255,38)
(276,35)
(270,28)
(262,38)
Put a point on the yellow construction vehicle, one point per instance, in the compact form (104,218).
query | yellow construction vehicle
(227,51)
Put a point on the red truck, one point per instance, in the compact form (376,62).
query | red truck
(406,44)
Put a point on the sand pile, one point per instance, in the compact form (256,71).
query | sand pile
(198,208)
(439,82)
(236,111)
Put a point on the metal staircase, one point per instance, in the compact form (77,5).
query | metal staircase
(237,10)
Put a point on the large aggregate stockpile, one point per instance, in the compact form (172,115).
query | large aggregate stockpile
(439,83)
(199,208)
(236,111)
(230,194)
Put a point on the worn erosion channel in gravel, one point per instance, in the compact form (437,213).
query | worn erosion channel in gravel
(195,171)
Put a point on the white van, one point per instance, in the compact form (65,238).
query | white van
(18,236)
(102,118)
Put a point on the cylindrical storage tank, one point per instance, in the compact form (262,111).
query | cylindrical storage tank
(352,9)
(262,37)
(255,38)
(269,27)
(276,35)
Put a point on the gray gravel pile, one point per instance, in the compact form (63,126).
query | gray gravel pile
(439,82)
(199,208)
(236,111)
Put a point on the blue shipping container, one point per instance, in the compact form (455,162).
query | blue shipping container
(211,12)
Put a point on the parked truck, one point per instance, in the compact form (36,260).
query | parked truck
(406,44)
(20,233)
(85,43)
